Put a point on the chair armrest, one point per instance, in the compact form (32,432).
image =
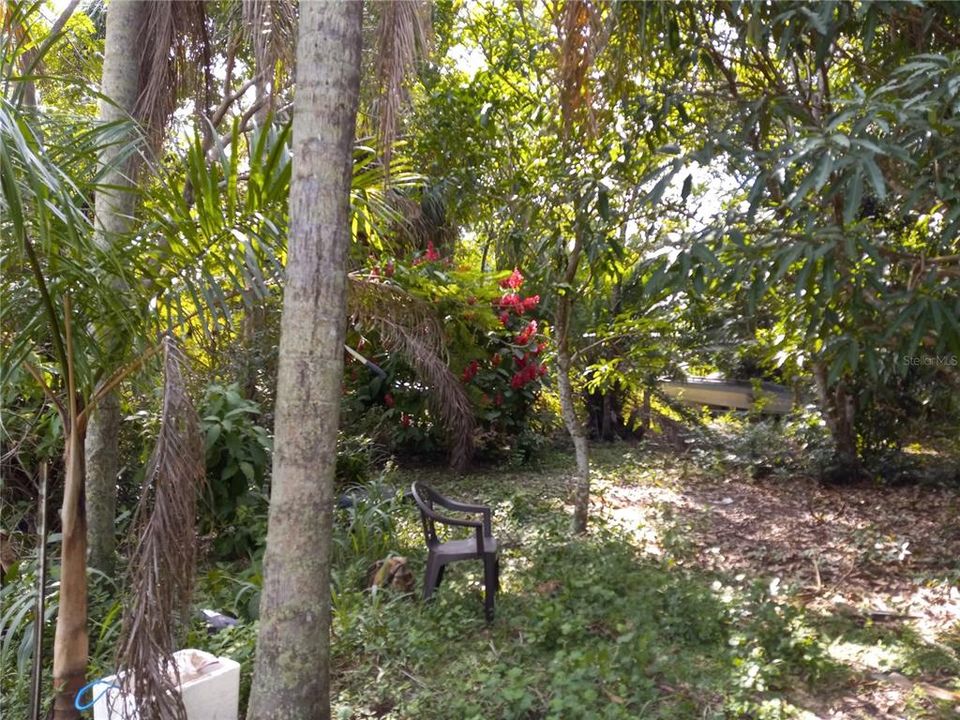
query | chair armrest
(459,522)
(469,508)
(460,506)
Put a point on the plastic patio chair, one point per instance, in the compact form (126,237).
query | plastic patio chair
(481,546)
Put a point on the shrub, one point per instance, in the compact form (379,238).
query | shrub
(237,459)
(496,344)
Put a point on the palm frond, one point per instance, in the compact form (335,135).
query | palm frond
(229,241)
(48,171)
(410,327)
(175,47)
(163,559)
(581,36)
(271,26)
(378,206)
(402,37)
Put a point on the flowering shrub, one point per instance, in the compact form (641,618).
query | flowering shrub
(495,342)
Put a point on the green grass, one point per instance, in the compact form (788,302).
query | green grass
(592,627)
(596,627)
(587,627)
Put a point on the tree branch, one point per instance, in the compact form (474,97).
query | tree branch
(45,46)
(38,376)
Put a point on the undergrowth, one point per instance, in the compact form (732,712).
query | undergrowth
(586,627)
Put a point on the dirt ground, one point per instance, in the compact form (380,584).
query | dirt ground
(875,562)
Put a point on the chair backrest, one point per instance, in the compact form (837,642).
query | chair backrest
(425,497)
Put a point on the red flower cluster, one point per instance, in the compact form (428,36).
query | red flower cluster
(514,281)
(470,371)
(518,304)
(527,374)
(511,300)
(405,420)
(388,269)
(388,400)
(528,332)
(432,255)
(528,369)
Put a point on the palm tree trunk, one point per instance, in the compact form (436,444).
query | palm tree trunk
(70,643)
(102,465)
(112,213)
(291,673)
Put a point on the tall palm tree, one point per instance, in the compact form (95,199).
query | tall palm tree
(291,677)
(113,215)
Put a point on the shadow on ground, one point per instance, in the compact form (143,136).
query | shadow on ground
(592,627)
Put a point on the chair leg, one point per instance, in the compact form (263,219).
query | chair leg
(432,577)
(490,585)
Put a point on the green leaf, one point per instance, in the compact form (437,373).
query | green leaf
(603,204)
(875,177)
(213,434)
(854,194)
(670,149)
(822,173)
(756,192)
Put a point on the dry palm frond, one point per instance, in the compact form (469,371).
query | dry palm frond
(424,221)
(271,26)
(162,561)
(581,35)
(409,326)
(175,47)
(402,36)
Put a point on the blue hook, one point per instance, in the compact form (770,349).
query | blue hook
(89,686)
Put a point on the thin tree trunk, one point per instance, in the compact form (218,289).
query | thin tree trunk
(581,483)
(291,674)
(606,419)
(845,433)
(254,321)
(839,413)
(70,643)
(823,396)
(647,415)
(121,84)
(113,210)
